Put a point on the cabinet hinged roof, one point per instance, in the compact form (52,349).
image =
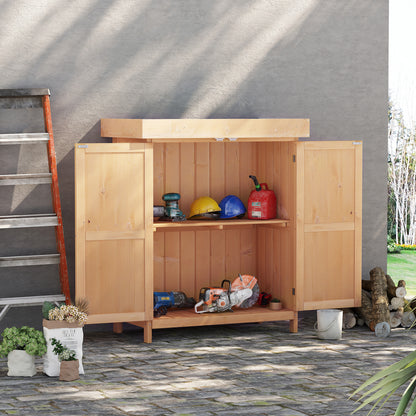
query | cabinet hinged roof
(170,130)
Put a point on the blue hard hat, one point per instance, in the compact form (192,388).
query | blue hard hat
(231,206)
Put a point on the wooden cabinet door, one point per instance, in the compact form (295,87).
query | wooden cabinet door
(328,225)
(113,230)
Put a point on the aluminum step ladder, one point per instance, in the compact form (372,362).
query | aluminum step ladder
(34,98)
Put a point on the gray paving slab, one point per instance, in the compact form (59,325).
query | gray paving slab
(253,369)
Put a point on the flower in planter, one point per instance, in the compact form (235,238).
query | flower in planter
(60,319)
(69,364)
(68,313)
(63,353)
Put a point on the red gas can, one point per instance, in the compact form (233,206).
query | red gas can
(262,202)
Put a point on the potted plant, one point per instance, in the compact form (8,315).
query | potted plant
(68,361)
(65,324)
(21,345)
(275,304)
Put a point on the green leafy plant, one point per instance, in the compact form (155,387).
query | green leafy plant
(46,307)
(25,338)
(386,382)
(392,247)
(63,353)
(275,300)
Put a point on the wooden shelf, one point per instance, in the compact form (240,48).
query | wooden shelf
(176,318)
(215,224)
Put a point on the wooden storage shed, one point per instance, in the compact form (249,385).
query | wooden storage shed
(309,257)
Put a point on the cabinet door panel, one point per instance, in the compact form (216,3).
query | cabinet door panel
(328,264)
(114,238)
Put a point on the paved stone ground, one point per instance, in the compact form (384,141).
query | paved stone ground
(259,369)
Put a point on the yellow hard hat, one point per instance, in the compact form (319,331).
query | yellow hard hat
(203,205)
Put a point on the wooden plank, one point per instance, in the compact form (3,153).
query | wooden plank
(202,170)
(212,140)
(172,168)
(247,166)
(232,254)
(248,251)
(118,327)
(202,261)
(269,259)
(261,254)
(114,235)
(187,262)
(217,171)
(187,176)
(335,226)
(293,323)
(232,169)
(187,317)
(261,163)
(330,189)
(159,262)
(158,174)
(300,224)
(358,175)
(218,270)
(288,285)
(328,304)
(148,243)
(80,193)
(123,128)
(115,277)
(270,163)
(114,148)
(110,203)
(111,317)
(172,261)
(162,225)
(204,128)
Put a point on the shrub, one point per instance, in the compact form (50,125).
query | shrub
(25,338)
(407,246)
(392,247)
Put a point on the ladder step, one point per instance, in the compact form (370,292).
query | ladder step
(24,92)
(28,221)
(24,138)
(32,260)
(26,179)
(31,300)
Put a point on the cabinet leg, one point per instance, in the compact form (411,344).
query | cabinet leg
(147,332)
(118,327)
(293,323)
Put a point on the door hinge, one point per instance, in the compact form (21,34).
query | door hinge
(294,158)
(293,291)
